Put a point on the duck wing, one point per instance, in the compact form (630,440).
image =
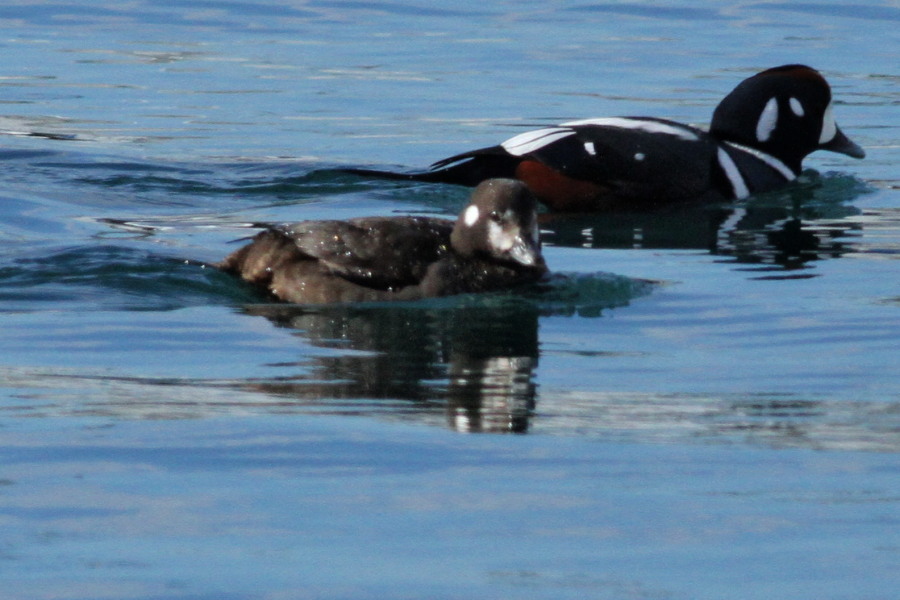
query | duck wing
(377,252)
(631,158)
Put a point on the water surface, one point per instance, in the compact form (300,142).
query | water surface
(705,401)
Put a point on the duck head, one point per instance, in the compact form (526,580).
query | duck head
(500,222)
(786,112)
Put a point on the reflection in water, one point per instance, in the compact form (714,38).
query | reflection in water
(477,362)
(787,229)
(491,394)
(473,357)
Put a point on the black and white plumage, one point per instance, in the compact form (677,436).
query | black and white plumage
(756,142)
(493,245)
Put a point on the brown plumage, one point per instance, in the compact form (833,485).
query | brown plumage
(493,245)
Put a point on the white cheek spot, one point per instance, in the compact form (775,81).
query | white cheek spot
(797,107)
(471,215)
(640,156)
(590,149)
(767,120)
(499,239)
(829,127)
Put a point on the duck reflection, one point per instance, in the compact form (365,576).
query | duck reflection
(784,230)
(491,372)
(472,364)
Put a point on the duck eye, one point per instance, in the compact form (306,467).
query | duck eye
(495,216)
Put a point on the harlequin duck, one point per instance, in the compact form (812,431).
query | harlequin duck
(757,140)
(494,245)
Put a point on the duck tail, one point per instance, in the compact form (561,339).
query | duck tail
(469,169)
(256,261)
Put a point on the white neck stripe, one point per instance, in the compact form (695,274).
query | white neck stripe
(733,173)
(768,159)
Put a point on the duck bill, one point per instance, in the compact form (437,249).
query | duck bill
(841,144)
(526,252)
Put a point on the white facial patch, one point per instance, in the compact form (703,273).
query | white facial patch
(471,215)
(648,125)
(829,127)
(768,120)
(590,149)
(499,239)
(797,107)
(640,156)
(530,141)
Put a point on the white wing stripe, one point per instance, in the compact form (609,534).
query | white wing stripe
(534,140)
(647,125)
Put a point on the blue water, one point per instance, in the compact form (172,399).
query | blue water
(709,397)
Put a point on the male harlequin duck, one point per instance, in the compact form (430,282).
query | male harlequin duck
(494,245)
(757,140)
